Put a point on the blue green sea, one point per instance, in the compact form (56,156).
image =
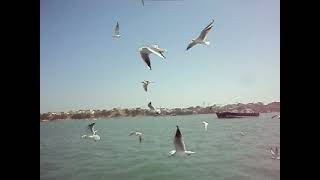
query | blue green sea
(221,152)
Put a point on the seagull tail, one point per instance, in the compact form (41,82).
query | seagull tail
(207,43)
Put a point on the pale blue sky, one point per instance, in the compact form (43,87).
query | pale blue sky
(83,67)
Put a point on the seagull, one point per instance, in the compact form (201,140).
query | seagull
(94,136)
(180,148)
(272,152)
(275,153)
(205,123)
(91,127)
(276,116)
(201,39)
(146,50)
(116,33)
(150,106)
(243,133)
(145,85)
(156,111)
(137,134)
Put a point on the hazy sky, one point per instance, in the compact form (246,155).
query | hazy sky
(83,67)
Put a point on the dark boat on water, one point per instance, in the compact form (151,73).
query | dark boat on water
(236,114)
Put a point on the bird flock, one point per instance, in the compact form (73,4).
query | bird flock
(145,52)
(180,148)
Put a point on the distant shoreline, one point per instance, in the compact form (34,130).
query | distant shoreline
(137,112)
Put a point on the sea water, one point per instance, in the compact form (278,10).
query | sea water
(221,151)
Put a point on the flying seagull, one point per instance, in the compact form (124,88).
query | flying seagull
(205,123)
(116,33)
(276,116)
(201,39)
(145,85)
(154,110)
(146,50)
(137,134)
(94,135)
(180,148)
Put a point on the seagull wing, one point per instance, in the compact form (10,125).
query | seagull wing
(271,151)
(150,106)
(91,128)
(205,31)
(157,52)
(145,86)
(193,43)
(116,30)
(178,142)
(146,59)
(142,2)
(132,133)
(179,145)
(138,133)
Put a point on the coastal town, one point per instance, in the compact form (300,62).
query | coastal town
(119,112)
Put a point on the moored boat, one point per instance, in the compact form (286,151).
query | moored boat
(236,114)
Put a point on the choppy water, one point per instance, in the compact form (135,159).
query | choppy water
(221,152)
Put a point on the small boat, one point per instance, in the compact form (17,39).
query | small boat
(236,114)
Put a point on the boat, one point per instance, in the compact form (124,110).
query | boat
(236,114)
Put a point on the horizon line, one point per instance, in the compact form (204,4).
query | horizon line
(217,104)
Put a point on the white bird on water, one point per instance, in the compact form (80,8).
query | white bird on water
(145,85)
(137,134)
(205,124)
(94,136)
(116,33)
(180,147)
(201,39)
(147,50)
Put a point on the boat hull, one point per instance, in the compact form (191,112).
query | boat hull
(236,115)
